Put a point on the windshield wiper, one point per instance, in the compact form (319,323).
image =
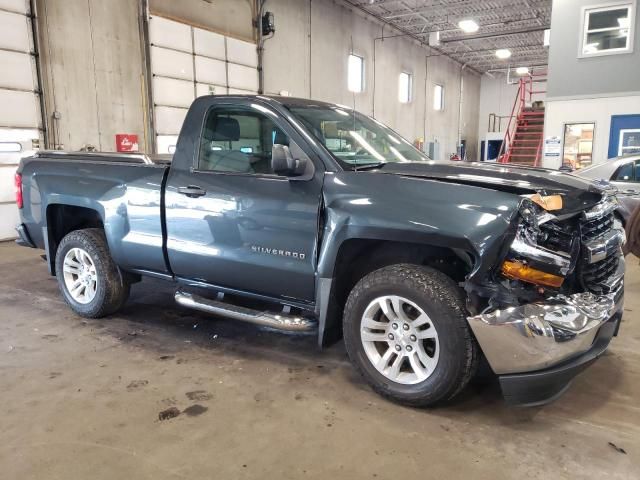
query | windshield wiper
(368,166)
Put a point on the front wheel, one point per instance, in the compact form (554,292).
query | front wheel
(405,330)
(89,279)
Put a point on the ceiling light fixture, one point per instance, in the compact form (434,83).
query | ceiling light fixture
(468,26)
(522,70)
(503,53)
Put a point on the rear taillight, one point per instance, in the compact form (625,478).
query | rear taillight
(18,185)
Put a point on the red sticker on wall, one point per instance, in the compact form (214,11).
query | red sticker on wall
(126,142)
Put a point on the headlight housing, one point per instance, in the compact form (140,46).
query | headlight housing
(529,212)
(528,259)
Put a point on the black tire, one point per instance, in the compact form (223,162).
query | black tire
(112,289)
(443,301)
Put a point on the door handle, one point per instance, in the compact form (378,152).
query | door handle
(192,191)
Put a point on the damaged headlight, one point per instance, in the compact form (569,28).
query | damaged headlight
(529,213)
(529,259)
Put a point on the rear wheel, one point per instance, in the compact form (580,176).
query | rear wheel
(406,331)
(90,281)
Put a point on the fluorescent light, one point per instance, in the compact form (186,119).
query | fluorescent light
(522,70)
(468,26)
(547,37)
(503,53)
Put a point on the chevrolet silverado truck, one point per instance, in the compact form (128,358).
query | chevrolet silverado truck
(300,215)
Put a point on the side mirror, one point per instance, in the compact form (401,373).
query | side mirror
(283,163)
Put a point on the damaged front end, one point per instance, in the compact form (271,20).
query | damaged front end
(554,300)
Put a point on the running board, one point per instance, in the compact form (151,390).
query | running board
(279,321)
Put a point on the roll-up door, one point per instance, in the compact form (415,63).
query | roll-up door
(20,117)
(188,62)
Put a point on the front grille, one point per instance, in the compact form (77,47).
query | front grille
(594,275)
(596,228)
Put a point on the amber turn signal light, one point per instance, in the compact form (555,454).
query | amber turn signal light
(520,271)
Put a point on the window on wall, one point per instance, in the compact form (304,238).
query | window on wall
(607,30)
(629,143)
(578,145)
(405,85)
(438,97)
(355,80)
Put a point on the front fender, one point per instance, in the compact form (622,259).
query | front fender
(376,206)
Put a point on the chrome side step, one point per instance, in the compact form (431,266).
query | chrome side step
(279,321)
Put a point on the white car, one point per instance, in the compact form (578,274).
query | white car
(623,173)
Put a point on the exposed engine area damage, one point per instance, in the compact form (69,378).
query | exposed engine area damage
(552,245)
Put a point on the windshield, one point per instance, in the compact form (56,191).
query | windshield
(355,139)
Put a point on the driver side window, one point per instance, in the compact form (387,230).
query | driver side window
(236,140)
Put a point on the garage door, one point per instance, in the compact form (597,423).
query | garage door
(20,118)
(188,62)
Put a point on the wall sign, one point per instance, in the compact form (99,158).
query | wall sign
(552,147)
(126,142)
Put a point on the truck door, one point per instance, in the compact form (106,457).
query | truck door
(232,222)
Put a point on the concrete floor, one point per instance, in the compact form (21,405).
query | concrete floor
(80,400)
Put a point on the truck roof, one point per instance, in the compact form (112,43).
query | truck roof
(290,101)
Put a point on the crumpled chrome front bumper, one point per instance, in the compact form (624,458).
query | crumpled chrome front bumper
(536,336)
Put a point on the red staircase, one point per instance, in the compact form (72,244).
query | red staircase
(524,137)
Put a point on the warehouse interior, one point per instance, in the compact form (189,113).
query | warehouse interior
(544,84)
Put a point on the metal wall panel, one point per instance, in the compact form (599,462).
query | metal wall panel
(166,143)
(18,6)
(244,53)
(203,89)
(211,71)
(185,59)
(239,91)
(16,71)
(245,78)
(19,104)
(17,143)
(170,34)
(171,92)
(14,32)
(209,44)
(7,193)
(169,63)
(10,218)
(19,109)
(169,120)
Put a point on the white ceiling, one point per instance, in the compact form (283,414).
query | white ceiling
(514,24)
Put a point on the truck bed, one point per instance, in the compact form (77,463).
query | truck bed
(123,190)
(111,157)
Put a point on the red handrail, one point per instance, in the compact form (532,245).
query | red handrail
(507,135)
(539,152)
(525,89)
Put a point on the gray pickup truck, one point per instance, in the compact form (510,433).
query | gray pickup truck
(307,216)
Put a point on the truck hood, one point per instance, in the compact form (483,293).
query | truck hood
(578,193)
